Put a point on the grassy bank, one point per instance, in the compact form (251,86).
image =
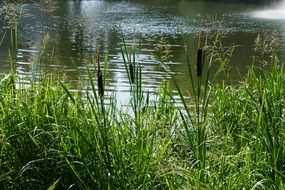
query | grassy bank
(49,136)
(224,137)
(232,138)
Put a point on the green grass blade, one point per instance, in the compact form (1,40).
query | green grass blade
(67,92)
(54,185)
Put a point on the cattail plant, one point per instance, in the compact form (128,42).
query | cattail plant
(132,67)
(99,77)
(199,62)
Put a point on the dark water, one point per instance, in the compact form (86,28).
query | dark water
(75,29)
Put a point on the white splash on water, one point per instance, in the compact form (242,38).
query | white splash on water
(276,13)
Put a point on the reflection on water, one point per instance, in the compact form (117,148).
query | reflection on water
(76,29)
(276,12)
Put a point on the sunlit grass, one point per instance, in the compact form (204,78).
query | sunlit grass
(225,137)
(50,137)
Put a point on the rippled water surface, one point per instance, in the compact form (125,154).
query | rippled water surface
(76,29)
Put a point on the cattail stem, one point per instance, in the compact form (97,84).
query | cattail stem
(199,61)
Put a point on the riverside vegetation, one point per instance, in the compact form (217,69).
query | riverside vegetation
(225,137)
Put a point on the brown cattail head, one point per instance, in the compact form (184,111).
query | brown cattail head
(199,61)
(100,84)
(131,67)
(99,77)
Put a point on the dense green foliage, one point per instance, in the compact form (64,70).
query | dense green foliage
(232,138)
(225,137)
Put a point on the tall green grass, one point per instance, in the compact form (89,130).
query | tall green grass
(226,137)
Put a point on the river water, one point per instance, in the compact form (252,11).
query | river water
(75,29)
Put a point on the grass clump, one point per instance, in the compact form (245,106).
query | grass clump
(51,137)
(228,137)
(248,131)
